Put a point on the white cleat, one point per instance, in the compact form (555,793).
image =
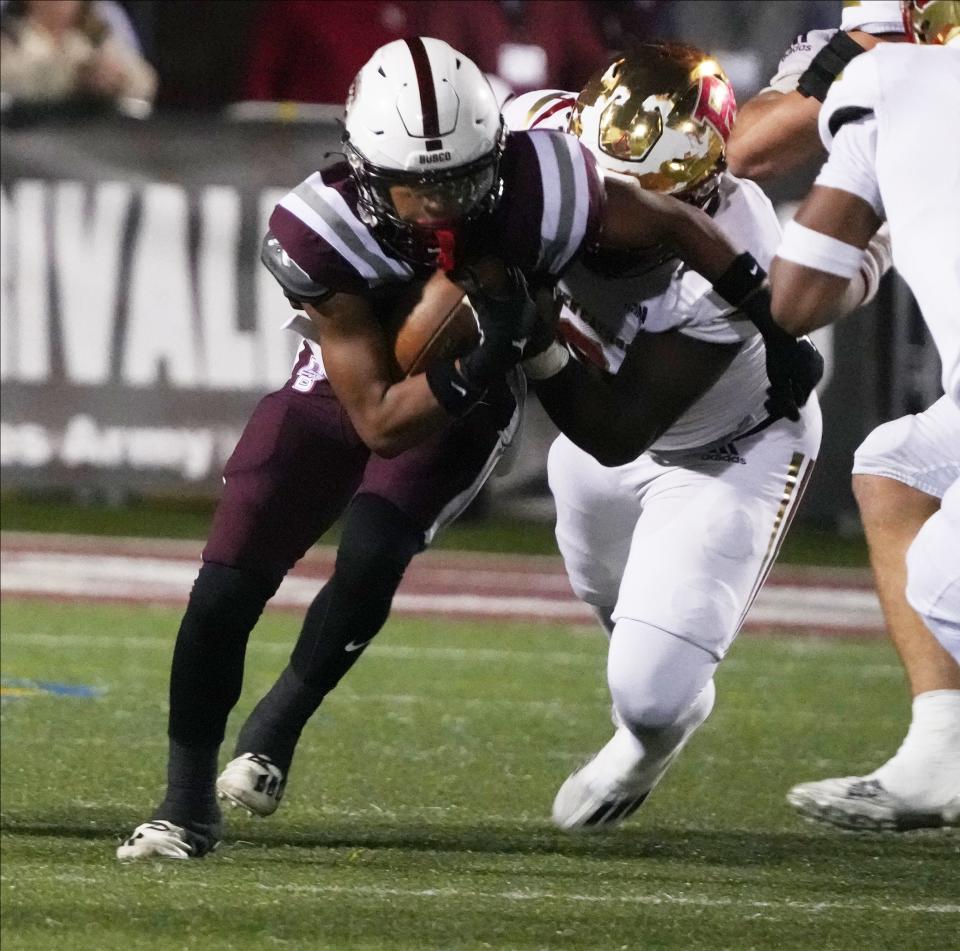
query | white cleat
(616,782)
(862,802)
(159,838)
(252,782)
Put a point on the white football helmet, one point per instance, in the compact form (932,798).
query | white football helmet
(663,114)
(423,136)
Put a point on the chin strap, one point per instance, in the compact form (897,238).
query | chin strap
(446,258)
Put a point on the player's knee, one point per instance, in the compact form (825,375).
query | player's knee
(653,675)
(377,544)
(224,598)
(881,472)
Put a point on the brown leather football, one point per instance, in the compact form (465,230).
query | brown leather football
(433,322)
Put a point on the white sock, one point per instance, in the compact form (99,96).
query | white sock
(926,768)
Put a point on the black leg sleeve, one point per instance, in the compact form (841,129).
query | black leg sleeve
(378,543)
(207,672)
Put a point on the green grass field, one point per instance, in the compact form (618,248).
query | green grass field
(417,812)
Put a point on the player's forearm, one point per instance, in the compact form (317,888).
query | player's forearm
(399,417)
(638,220)
(699,242)
(774,134)
(804,299)
(587,410)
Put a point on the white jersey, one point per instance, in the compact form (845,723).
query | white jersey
(890,124)
(602,316)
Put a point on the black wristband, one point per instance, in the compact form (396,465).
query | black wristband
(451,389)
(829,62)
(740,279)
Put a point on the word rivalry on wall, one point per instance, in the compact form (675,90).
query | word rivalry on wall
(140,285)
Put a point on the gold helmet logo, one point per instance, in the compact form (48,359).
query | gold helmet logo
(663,114)
(935,22)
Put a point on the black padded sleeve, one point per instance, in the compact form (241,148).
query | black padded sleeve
(297,285)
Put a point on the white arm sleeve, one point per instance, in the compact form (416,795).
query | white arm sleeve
(852,163)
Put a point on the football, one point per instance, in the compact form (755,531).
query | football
(432,321)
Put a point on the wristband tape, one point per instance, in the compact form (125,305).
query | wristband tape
(740,279)
(547,364)
(829,62)
(819,251)
(450,389)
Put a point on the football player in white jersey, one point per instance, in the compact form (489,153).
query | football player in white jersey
(669,542)
(903,468)
(890,110)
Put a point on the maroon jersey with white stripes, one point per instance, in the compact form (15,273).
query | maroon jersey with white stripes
(549,211)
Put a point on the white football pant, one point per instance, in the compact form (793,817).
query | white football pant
(675,546)
(682,540)
(922,450)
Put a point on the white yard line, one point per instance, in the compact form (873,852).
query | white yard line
(529,895)
(447,593)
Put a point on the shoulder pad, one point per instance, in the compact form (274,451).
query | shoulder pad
(298,286)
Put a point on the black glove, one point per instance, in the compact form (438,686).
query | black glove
(506,321)
(794,367)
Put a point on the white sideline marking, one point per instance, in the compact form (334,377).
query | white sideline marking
(663,898)
(115,576)
(170,579)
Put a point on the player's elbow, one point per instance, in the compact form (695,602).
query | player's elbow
(381,436)
(610,458)
(746,161)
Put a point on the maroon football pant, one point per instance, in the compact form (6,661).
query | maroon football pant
(300,461)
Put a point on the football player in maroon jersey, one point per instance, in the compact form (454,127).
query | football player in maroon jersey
(431,180)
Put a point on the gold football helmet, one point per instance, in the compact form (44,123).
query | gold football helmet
(936,22)
(662,113)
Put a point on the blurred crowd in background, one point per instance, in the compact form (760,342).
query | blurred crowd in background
(138,55)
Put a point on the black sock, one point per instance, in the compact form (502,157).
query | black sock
(377,544)
(191,778)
